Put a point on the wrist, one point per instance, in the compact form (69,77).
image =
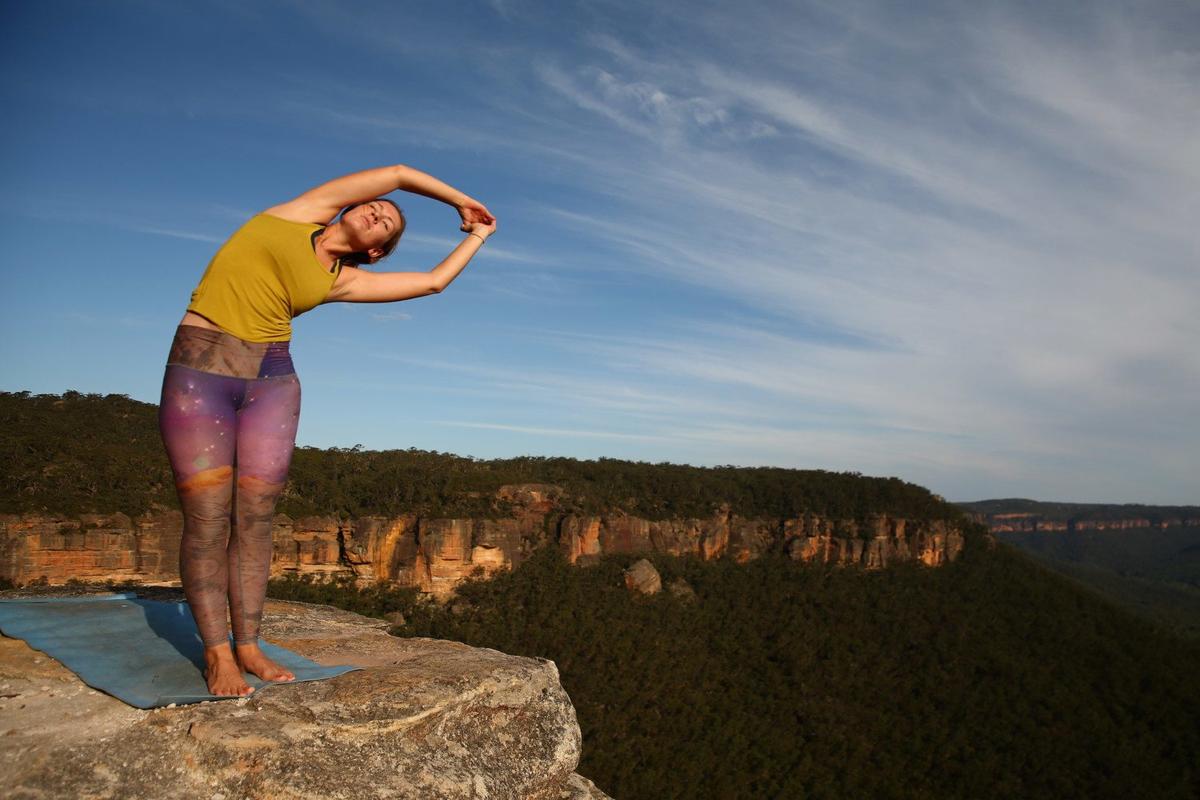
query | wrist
(478,236)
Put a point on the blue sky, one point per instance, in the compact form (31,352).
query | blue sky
(955,243)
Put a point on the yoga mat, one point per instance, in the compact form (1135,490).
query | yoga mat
(145,652)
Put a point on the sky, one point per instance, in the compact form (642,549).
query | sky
(955,243)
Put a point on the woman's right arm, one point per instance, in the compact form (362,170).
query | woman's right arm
(361,286)
(321,204)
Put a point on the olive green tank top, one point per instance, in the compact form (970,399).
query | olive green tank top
(266,274)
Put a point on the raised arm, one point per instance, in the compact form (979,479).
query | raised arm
(362,286)
(321,204)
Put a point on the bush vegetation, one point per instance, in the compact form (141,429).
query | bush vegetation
(986,678)
(91,453)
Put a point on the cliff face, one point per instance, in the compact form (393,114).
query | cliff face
(1024,522)
(434,555)
(89,547)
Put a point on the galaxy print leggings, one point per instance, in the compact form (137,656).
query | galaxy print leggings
(228,418)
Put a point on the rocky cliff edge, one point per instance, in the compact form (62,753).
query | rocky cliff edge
(424,719)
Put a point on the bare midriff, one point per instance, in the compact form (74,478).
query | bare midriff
(192,318)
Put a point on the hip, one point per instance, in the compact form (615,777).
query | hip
(215,351)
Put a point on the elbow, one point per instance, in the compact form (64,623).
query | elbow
(436,288)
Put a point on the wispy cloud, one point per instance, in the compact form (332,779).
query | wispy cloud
(109,219)
(991,235)
(174,233)
(390,316)
(491,251)
(942,261)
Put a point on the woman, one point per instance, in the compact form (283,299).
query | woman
(231,398)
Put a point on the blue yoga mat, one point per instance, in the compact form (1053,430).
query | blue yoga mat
(145,652)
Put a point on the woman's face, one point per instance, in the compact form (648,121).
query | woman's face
(370,225)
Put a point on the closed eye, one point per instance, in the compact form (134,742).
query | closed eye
(387,222)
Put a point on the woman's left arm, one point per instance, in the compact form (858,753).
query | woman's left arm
(362,286)
(322,204)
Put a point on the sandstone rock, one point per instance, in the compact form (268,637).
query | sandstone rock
(443,556)
(893,541)
(424,719)
(643,577)
(536,497)
(381,548)
(714,536)
(92,547)
(579,538)
(623,533)
(680,588)
(486,559)
(435,555)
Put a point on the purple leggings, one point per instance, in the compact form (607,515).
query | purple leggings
(228,418)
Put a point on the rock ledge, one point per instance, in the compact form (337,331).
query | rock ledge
(424,719)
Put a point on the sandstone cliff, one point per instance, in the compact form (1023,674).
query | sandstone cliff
(434,555)
(1029,522)
(424,719)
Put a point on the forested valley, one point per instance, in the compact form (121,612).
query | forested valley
(987,678)
(990,677)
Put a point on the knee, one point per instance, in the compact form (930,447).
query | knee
(258,487)
(207,498)
(257,497)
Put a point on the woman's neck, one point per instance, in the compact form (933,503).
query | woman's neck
(331,242)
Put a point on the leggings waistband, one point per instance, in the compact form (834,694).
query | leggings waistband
(223,353)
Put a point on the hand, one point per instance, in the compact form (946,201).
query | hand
(483,229)
(473,211)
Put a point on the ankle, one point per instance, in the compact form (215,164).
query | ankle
(218,650)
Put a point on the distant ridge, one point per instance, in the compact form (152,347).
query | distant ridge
(1143,557)
(1006,514)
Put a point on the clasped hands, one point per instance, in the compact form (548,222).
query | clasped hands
(476,218)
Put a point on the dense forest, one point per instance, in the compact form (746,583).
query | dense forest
(102,453)
(987,678)
(1153,572)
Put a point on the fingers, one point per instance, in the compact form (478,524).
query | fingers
(476,211)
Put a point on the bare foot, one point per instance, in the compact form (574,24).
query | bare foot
(223,675)
(254,661)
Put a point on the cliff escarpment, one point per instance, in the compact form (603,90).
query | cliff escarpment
(1032,516)
(434,554)
(1032,523)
